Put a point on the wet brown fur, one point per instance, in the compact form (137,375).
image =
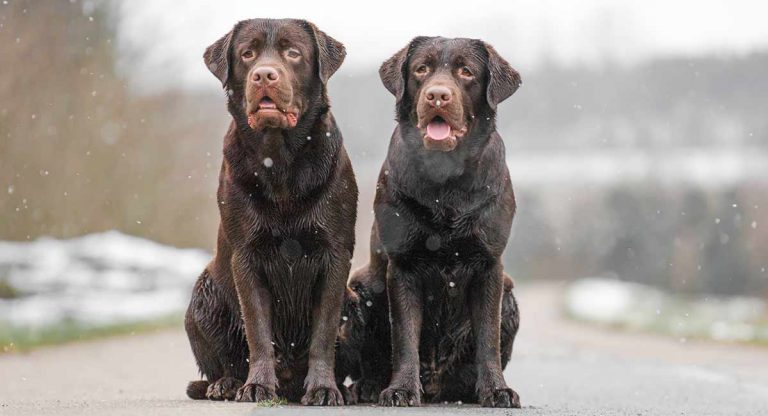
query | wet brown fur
(443,217)
(263,317)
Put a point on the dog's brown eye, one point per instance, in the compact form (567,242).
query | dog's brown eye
(421,69)
(293,53)
(247,54)
(466,72)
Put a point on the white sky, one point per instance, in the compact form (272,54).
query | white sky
(172,34)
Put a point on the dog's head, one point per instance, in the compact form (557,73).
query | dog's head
(444,85)
(274,70)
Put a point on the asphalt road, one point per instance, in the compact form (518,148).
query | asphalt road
(558,368)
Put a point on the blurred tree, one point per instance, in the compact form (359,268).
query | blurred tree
(79,152)
(58,93)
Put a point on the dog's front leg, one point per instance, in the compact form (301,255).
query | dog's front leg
(320,383)
(256,309)
(405,309)
(485,307)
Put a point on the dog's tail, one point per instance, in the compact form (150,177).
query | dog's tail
(196,389)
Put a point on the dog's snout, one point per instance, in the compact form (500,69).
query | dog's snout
(265,75)
(438,95)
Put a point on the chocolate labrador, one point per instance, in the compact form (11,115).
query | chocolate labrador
(444,207)
(264,314)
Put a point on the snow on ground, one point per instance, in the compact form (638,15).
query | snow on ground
(112,278)
(97,279)
(636,306)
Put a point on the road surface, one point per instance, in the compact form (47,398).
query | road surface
(558,368)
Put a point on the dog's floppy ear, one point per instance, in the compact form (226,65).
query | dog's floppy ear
(216,57)
(503,80)
(392,71)
(330,52)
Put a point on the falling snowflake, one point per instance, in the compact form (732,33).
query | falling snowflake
(268,162)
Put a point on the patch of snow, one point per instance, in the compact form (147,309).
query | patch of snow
(607,301)
(96,279)
(637,306)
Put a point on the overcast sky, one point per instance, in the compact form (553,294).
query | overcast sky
(172,35)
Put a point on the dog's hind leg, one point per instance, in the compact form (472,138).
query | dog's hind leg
(510,320)
(217,341)
(367,332)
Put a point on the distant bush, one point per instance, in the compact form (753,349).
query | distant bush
(7,291)
(683,238)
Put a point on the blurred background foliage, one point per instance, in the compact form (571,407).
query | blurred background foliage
(81,152)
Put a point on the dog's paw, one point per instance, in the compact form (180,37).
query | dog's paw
(224,388)
(255,393)
(400,397)
(322,396)
(504,397)
(366,390)
(197,389)
(347,394)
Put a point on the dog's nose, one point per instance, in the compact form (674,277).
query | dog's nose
(438,95)
(265,75)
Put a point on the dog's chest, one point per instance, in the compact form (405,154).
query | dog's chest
(290,243)
(284,252)
(291,262)
(284,232)
(450,245)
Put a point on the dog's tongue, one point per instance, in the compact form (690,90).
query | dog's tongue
(438,129)
(267,103)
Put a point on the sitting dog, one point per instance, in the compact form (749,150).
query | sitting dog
(444,207)
(264,314)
